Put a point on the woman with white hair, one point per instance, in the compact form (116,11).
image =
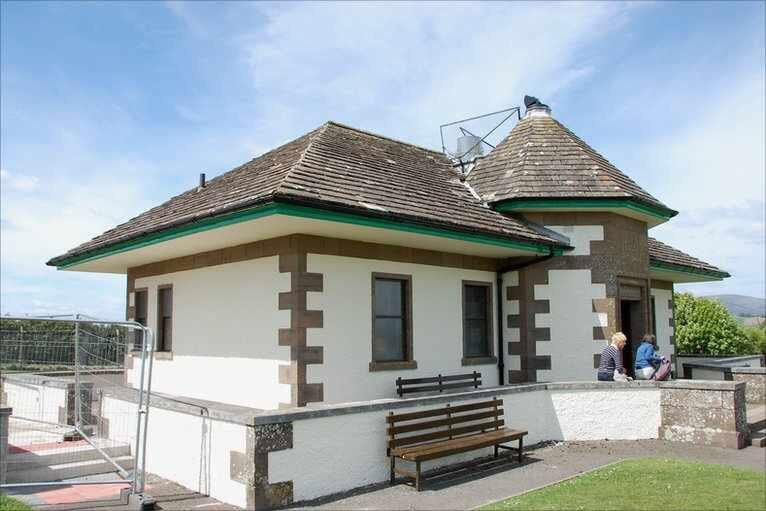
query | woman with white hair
(611,358)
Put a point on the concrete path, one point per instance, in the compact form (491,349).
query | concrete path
(492,481)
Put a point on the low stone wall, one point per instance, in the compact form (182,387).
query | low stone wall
(263,459)
(755,377)
(704,413)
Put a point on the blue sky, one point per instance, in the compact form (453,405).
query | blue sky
(110,108)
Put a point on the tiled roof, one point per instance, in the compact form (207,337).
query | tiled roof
(541,158)
(666,255)
(336,167)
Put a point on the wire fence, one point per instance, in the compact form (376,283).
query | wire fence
(63,380)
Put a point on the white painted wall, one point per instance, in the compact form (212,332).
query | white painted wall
(579,236)
(662,314)
(36,402)
(571,321)
(225,331)
(356,442)
(347,333)
(191,450)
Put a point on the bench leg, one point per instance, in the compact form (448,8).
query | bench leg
(417,475)
(521,448)
(496,450)
(393,469)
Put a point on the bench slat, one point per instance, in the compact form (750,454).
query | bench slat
(402,417)
(444,433)
(428,388)
(434,379)
(459,445)
(455,419)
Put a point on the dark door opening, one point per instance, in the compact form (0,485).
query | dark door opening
(632,324)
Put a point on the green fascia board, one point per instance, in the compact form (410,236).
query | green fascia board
(532,204)
(302,212)
(687,270)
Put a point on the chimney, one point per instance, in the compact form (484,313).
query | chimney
(536,108)
(201,181)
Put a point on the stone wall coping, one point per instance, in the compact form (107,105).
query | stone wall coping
(719,357)
(331,410)
(749,370)
(723,385)
(38,379)
(252,416)
(223,412)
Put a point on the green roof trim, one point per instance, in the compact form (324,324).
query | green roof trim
(511,205)
(687,270)
(245,215)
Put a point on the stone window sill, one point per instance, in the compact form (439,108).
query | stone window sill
(476,361)
(393,366)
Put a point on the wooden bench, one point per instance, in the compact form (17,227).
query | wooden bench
(440,383)
(446,431)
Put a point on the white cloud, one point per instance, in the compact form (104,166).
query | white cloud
(21,183)
(405,70)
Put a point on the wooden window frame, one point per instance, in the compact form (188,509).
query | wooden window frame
(408,362)
(160,346)
(490,357)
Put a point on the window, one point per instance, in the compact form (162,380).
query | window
(477,322)
(165,318)
(141,303)
(391,322)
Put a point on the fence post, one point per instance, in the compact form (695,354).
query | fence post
(5,413)
(77,397)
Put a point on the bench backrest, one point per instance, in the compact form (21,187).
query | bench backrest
(440,383)
(412,428)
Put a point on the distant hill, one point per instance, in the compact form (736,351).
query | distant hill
(743,306)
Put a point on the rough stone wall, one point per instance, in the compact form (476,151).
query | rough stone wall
(706,413)
(251,468)
(755,380)
(614,248)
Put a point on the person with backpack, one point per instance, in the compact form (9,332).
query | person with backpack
(647,359)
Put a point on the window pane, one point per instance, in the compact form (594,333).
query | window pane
(141,306)
(167,333)
(166,301)
(389,297)
(388,343)
(476,342)
(476,302)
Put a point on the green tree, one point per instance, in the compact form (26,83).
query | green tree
(706,327)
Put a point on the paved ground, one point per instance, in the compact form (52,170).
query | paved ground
(492,481)
(472,485)
(106,497)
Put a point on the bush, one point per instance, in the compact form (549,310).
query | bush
(757,338)
(706,327)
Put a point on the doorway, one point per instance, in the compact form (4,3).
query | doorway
(632,323)
(627,310)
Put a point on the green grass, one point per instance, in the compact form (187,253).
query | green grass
(650,484)
(9,504)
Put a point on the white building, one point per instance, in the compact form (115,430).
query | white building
(323,270)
